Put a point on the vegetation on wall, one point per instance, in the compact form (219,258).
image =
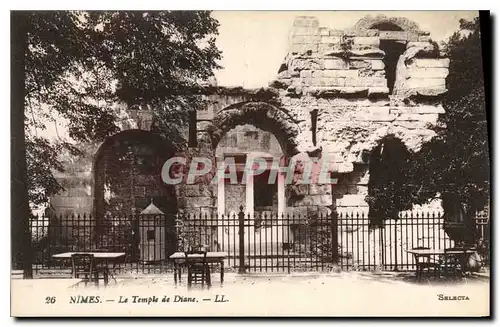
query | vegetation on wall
(455,163)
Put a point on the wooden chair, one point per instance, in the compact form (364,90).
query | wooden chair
(453,265)
(84,267)
(425,262)
(198,270)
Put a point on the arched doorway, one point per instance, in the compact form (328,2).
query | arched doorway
(253,129)
(388,186)
(259,193)
(243,132)
(127,179)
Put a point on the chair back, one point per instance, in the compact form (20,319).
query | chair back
(200,258)
(83,263)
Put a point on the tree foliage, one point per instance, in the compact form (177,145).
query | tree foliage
(454,165)
(389,190)
(456,162)
(81,65)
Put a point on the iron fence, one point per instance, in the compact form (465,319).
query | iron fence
(258,242)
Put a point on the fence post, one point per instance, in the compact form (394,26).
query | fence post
(241,234)
(396,243)
(335,239)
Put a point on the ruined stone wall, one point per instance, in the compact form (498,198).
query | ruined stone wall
(341,76)
(337,76)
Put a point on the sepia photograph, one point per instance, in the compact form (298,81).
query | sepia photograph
(182,163)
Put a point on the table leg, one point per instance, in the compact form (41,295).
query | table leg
(175,272)
(222,272)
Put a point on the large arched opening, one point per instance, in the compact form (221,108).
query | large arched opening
(127,180)
(245,131)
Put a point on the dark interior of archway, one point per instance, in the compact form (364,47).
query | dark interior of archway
(127,179)
(389,171)
(386,26)
(129,170)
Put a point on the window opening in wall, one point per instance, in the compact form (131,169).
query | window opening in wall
(314,120)
(264,194)
(192,138)
(151,235)
(393,50)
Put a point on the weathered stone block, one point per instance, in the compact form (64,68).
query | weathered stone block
(330,39)
(372,32)
(335,63)
(351,200)
(410,124)
(377,64)
(393,35)
(306,74)
(375,116)
(340,73)
(336,32)
(431,63)
(360,64)
(378,91)
(305,30)
(424,38)
(303,64)
(432,91)
(202,125)
(418,44)
(366,81)
(366,40)
(425,82)
(408,117)
(328,81)
(428,72)
(329,48)
(300,48)
(320,200)
(327,92)
(429,109)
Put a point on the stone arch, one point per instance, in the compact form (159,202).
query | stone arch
(389,164)
(259,114)
(370,22)
(149,151)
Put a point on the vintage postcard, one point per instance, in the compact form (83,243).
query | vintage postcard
(250,163)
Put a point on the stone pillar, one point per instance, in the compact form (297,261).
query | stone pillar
(221,209)
(249,205)
(281,193)
(283,230)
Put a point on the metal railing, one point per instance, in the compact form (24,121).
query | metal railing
(259,242)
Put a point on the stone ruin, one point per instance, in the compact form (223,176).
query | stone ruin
(337,94)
